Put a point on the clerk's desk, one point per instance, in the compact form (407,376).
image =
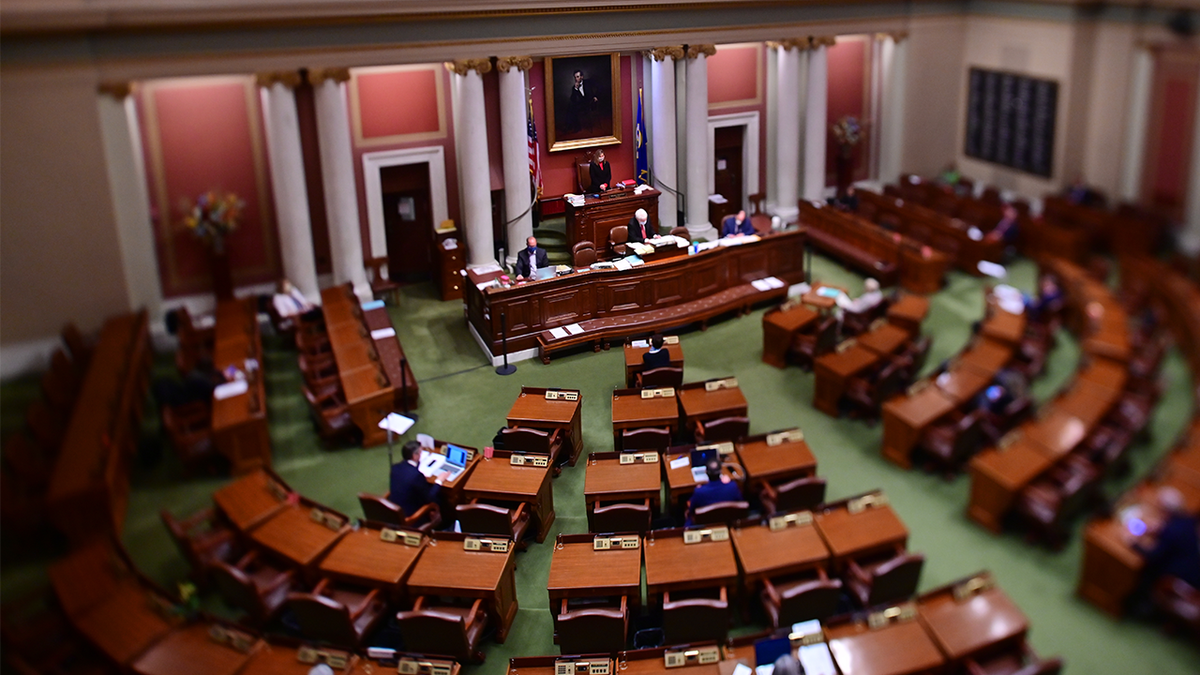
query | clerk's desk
(661,286)
(447,568)
(597,215)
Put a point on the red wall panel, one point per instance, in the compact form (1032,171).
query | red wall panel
(398,102)
(734,74)
(849,78)
(1170,135)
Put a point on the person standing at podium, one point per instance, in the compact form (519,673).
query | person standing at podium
(530,260)
(601,173)
(639,226)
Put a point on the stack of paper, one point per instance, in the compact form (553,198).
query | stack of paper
(640,344)
(623,265)
(383,333)
(230,389)
(558,333)
(634,261)
(396,423)
(574,329)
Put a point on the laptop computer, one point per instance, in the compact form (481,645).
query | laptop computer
(700,460)
(766,651)
(544,273)
(456,460)
(453,462)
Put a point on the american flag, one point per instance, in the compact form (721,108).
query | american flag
(535,164)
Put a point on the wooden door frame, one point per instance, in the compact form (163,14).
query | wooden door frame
(750,151)
(374,162)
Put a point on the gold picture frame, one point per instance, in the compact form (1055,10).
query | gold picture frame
(592,119)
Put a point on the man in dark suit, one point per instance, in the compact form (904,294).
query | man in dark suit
(719,488)
(1176,546)
(531,259)
(736,224)
(601,173)
(658,356)
(640,228)
(581,103)
(409,488)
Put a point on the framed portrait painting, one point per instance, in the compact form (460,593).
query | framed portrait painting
(582,101)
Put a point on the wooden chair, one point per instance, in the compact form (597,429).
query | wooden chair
(379,509)
(194,343)
(444,630)
(583,173)
(891,580)
(948,445)
(337,615)
(758,214)
(618,237)
(203,540)
(865,394)
(253,586)
(491,520)
(647,438)
(721,513)
(331,415)
(593,629)
(79,346)
(666,376)
(583,254)
(681,231)
(539,441)
(722,429)
(1047,505)
(322,386)
(382,285)
(621,517)
(913,358)
(995,425)
(695,616)
(789,601)
(313,344)
(189,428)
(799,494)
(807,348)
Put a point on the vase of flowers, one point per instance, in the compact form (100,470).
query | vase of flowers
(212,218)
(847,131)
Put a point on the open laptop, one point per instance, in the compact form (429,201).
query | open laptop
(700,460)
(545,273)
(453,462)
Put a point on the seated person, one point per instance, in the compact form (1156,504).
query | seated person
(1078,193)
(289,301)
(658,356)
(600,172)
(1173,548)
(849,200)
(736,224)
(1049,302)
(640,228)
(719,488)
(871,297)
(530,260)
(1006,229)
(408,488)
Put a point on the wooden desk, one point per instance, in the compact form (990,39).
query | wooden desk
(607,480)
(593,220)
(634,662)
(578,571)
(962,382)
(249,501)
(294,537)
(499,480)
(1057,432)
(998,474)
(1004,327)
(980,623)
(774,464)
(699,405)
(190,651)
(239,423)
(905,419)
(854,535)
(909,313)
(986,355)
(631,411)
(280,660)
(885,340)
(444,568)
(780,326)
(633,360)
(531,409)
(672,565)
(814,298)
(899,648)
(764,554)
(362,558)
(834,370)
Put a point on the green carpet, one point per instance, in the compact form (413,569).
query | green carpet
(463,400)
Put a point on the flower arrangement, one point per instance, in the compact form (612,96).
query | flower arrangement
(847,131)
(213,216)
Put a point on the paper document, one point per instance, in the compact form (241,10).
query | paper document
(450,244)
(372,304)
(760,285)
(817,660)
(681,462)
(383,333)
(396,423)
(742,669)
(558,333)
(827,292)
(623,265)
(574,329)
(230,389)
(718,199)
(640,344)
(765,669)
(485,269)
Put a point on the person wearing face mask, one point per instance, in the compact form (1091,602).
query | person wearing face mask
(531,259)
(640,228)
(600,172)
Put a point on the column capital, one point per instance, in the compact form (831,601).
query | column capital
(663,53)
(816,41)
(897,36)
(788,44)
(318,76)
(507,63)
(693,51)
(117,90)
(462,66)
(288,78)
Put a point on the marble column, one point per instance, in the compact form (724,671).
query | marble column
(1136,120)
(514,136)
(287,181)
(471,141)
(699,155)
(894,64)
(787,129)
(815,122)
(121,131)
(663,155)
(337,177)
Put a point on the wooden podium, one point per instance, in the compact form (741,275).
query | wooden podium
(592,221)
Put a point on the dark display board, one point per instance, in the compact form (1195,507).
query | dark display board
(1010,120)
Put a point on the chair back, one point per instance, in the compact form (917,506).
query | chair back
(323,619)
(896,579)
(593,630)
(968,436)
(237,589)
(583,254)
(826,337)
(721,513)
(889,383)
(919,354)
(525,439)
(680,231)
(647,438)
(380,509)
(800,494)
(435,632)
(695,619)
(583,173)
(485,519)
(816,599)
(726,429)
(666,376)
(621,517)
(619,235)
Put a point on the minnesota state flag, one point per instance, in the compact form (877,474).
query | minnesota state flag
(643,153)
